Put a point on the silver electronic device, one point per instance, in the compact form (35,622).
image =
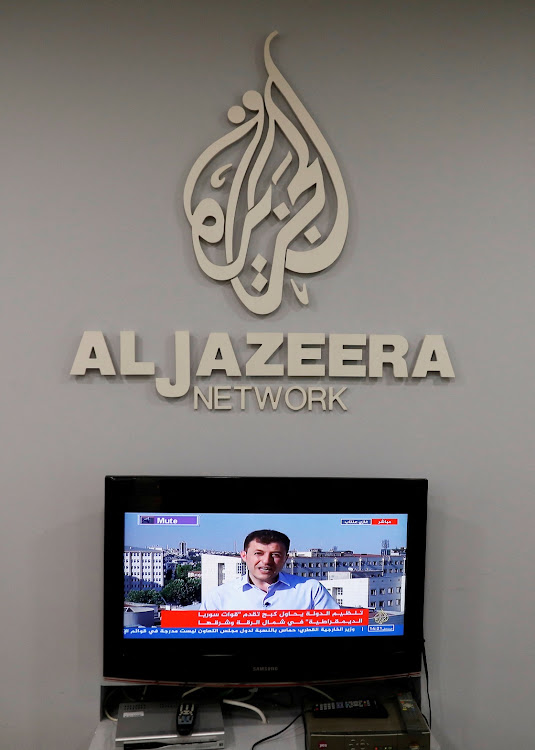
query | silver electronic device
(154,725)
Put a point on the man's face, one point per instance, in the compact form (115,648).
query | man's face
(264,561)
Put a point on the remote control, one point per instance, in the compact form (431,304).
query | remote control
(365,708)
(410,713)
(185,718)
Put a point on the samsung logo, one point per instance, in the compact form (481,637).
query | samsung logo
(265,669)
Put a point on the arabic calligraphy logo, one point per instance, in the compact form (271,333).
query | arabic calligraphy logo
(286,180)
(381,617)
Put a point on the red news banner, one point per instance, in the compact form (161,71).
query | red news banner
(296,618)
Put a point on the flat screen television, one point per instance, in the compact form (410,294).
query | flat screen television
(335,594)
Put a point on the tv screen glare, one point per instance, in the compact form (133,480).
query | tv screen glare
(254,580)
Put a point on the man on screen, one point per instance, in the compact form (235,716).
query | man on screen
(265,585)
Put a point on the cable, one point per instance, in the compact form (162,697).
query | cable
(105,706)
(426,670)
(252,692)
(109,716)
(246,705)
(192,690)
(311,687)
(271,736)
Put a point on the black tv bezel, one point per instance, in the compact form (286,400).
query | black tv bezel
(241,662)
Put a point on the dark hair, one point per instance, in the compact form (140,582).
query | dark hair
(267,536)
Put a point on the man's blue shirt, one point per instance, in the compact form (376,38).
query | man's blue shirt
(288,592)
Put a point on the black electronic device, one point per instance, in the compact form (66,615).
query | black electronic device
(401,727)
(170,539)
(363,708)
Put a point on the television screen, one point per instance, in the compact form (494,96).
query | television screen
(254,579)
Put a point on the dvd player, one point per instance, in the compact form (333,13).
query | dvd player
(153,726)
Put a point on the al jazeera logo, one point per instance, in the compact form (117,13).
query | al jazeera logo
(279,184)
(268,208)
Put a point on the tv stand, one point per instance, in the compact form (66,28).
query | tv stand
(280,706)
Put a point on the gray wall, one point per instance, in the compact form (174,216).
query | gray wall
(429,109)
